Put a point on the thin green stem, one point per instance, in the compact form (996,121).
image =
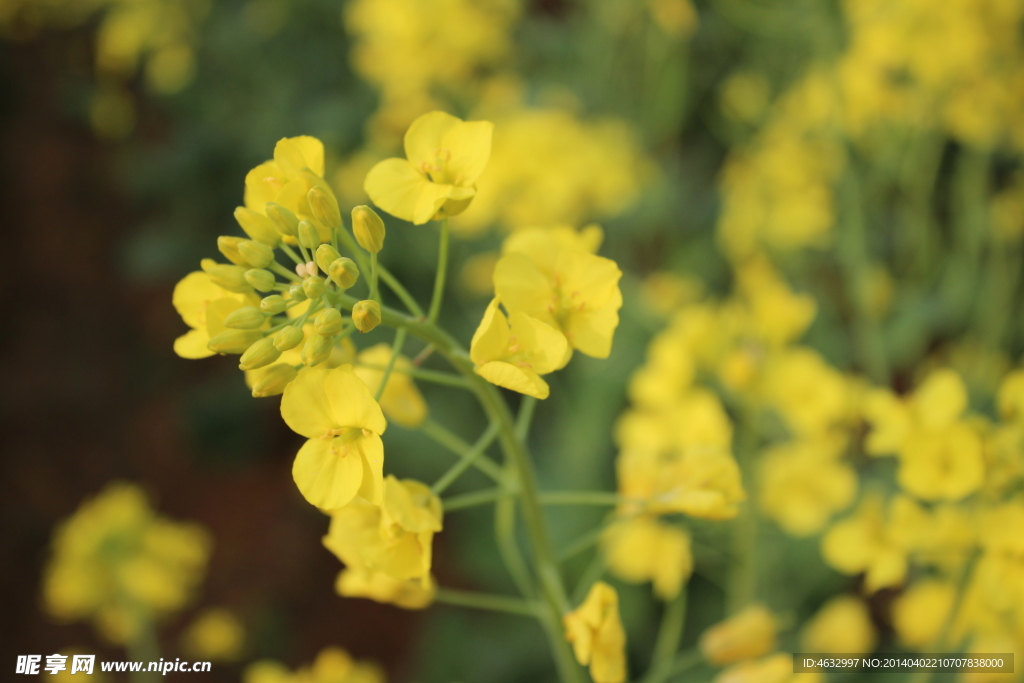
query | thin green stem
(587,539)
(374,294)
(144,648)
(743,570)
(686,661)
(445,378)
(290,252)
(442,436)
(469,500)
(468,458)
(670,634)
(484,601)
(442,273)
(508,546)
(525,417)
(383,273)
(582,498)
(594,571)
(282,271)
(396,350)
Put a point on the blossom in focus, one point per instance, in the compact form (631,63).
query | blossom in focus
(514,351)
(343,456)
(595,631)
(444,157)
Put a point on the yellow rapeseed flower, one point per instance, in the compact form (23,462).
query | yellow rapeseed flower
(645,549)
(203,306)
(216,635)
(598,639)
(776,668)
(747,634)
(393,538)
(359,582)
(514,352)
(343,456)
(332,665)
(865,542)
(444,157)
(842,626)
(578,295)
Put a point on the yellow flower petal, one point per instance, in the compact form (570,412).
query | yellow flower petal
(517,379)
(262,185)
(191,295)
(591,332)
(522,286)
(426,135)
(305,406)
(192,345)
(328,476)
(398,188)
(469,144)
(352,404)
(490,340)
(548,346)
(294,154)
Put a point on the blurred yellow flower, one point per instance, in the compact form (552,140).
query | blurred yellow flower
(401,401)
(595,631)
(864,542)
(776,668)
(332,665)
(343,456)
(920,612)
(444,157)
(748,634)
(117,562)
(645,549)
(842,626)
(216,635)
(359,582)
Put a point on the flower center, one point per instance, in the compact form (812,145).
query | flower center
(437,170)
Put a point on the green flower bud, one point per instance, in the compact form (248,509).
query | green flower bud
(228,246)
(325,255)
(296,293)
(317,349)
(343,272)
(313,286)
(257,226)
(324,206)
(259,354)
(366,315)
(328,322)
(233,341)
(369,229)
(285,222)
(273,380)
(273,304)
(288,338)
(309,236)
(257,254)
(231,278)
(245,318)
(260,279)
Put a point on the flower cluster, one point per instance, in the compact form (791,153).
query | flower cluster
(117,563)
(332,665)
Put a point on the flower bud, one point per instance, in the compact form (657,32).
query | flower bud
(245,318)
(317,349)
(324,205)
(259,354)
(228,246)
(257,254)
(260,279)
(369,229)
(343,271)
(257,226)
(309,236)
(231,278)
(273,380)
(288,338)
(313,286)
(233,341)
(296,293)
(273,304)
(366,315)
(325,256)
(328,322)
(285,222)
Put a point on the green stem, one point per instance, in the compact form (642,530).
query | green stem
(144,648)
(686,661)
(469,500)
(508,547)
(583,498)
(494,603)
(291,253)
(468,458)
(282,271)
(403,295)
(525,417)
(592,574)
(441,275)
(743,570)
(517,459)
(670,634)
(453,443)
(443,378)
(373,278)
(396,350)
